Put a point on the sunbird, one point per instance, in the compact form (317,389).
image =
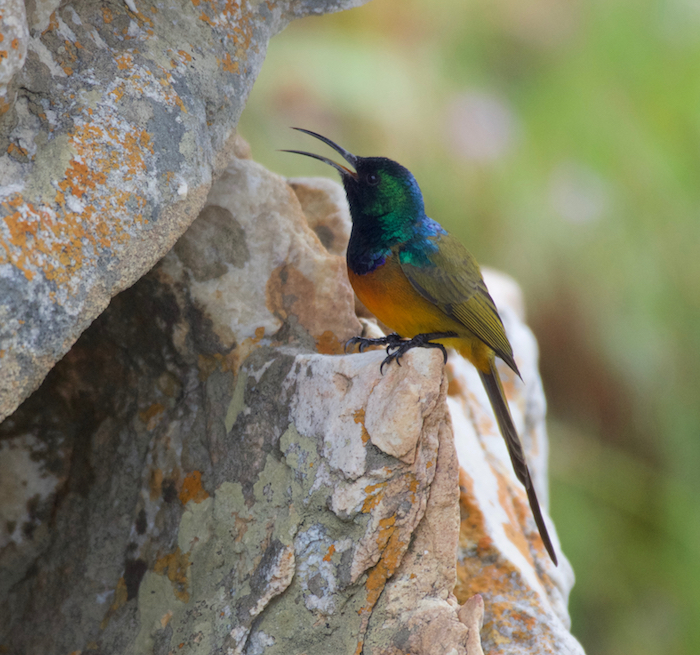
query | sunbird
(422,283)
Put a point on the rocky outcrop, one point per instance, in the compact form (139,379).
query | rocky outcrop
(500,554)
(206,472)
(115,117)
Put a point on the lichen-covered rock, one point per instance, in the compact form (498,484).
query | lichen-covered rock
(501,555)
(206,472)
(124,114)
(14,35)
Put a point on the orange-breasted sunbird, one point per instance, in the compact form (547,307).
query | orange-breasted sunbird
(421,282)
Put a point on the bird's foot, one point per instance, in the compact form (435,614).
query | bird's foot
(396,347)
(401,347)
(392,340)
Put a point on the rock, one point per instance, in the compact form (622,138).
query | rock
(14,35)
(326,211)
(472,615)
(205,471)
(111,133)
(501,555)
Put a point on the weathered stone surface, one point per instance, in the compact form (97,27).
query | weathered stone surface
(325,209)
(14,35)
(500,554)
(206,473)
(124,114)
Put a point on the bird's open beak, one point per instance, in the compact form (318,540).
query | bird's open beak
(349,157)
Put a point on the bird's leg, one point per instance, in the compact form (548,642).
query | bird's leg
(392,340)
(401,347)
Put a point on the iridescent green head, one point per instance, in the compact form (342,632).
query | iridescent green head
(384,197)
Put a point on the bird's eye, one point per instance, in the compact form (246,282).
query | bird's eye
(372,179)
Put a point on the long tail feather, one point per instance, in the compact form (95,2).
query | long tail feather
(494,389)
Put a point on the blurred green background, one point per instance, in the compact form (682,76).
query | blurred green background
(560,140)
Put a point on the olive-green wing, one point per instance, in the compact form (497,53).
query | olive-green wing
(452,281)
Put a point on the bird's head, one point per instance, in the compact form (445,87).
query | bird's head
(381,193)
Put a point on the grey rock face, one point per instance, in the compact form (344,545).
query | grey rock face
(202,458)
(206,472)
(111,132)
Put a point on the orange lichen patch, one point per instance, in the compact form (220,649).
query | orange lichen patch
(174,566)
(386,530)
(500,581)
(70,52)
(116,94)
(53,24)
(93,206)
(15,150)
(14,44)
(192,489)
(523,512)
(141,19)
(473,576)
(493,580)
(120,598)
(124,61)
(259,334)
(179,103)
(81,178)
(329,554)
(503,624)
(455,387)
(375,492)
(392,548)
(228,64)
(155,484)
(151,416)
(203,17)
(472,526)
(185,56)
(328,344)
(359,417)
(513,528)
(527,621)
(107,15)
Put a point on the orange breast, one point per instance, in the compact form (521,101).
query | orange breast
(388,294)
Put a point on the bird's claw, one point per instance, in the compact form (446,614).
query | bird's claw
(392,356)
(396,347)
(392,340)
